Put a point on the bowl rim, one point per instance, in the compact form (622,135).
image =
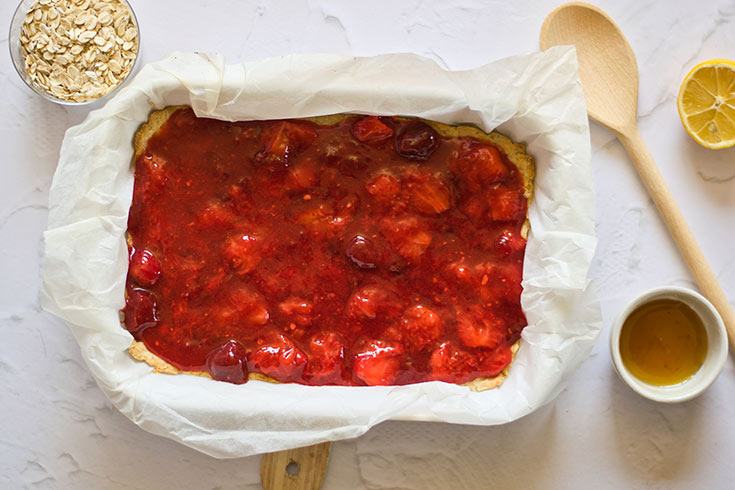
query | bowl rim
(20,70)
(714,361)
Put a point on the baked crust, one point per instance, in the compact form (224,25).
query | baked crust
(515,152)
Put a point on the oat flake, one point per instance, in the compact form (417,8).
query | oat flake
(78,50)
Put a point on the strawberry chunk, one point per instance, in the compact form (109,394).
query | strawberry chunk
(385,190)
(322,218)
(372,300)
(420,327)
(478,165)
(371,129)
(476,276)
(509,243)
(188,272)
(475,207)
(315,213)
(377,363)
(363,252)
(492,362)
(228,362)
(503,283)
(373,252)
(297,310)
(145,267)
(273,279)
(283,139)
(303,175)
(326,360)
(240,195)
(151,170)
(213,280)
(217,215)
(506,204)
(452,364)
(242,305)
(513,318)
(141,310)
(477,327)
(301,134)
(242,252)
(413,246)
(256,314)
(460,272)
(278,358)
(346,208)
(416,140)
(384,187)
(407,236)
(429,195)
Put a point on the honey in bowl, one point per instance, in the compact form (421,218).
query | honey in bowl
(663,342)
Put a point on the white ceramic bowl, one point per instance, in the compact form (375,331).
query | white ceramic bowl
(713,362)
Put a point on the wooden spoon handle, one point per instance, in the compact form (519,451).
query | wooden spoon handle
(302,468)
(678,228)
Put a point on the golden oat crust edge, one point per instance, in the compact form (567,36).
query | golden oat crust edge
(516,153)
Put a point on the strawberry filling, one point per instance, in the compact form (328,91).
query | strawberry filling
(371,252)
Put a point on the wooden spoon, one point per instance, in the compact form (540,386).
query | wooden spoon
(609,74)
(302,468)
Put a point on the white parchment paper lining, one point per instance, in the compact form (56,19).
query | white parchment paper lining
(536,99)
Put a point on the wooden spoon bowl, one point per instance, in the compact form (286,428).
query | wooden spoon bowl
(607,64)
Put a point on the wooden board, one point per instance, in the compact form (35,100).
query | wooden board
(295,469)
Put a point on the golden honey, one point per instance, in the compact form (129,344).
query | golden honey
(663,342)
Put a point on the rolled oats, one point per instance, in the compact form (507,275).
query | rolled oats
(78,50)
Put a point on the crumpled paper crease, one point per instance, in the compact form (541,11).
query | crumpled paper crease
(535,99)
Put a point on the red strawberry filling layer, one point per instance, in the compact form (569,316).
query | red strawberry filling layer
(374,251)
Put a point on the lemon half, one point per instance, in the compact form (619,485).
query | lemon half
(706,103)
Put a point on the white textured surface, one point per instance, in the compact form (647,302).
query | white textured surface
(58,431)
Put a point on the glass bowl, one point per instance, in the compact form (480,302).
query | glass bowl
(16,54)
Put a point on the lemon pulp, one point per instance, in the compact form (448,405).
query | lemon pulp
(706,103)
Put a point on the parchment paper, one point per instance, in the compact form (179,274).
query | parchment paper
(536,99)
